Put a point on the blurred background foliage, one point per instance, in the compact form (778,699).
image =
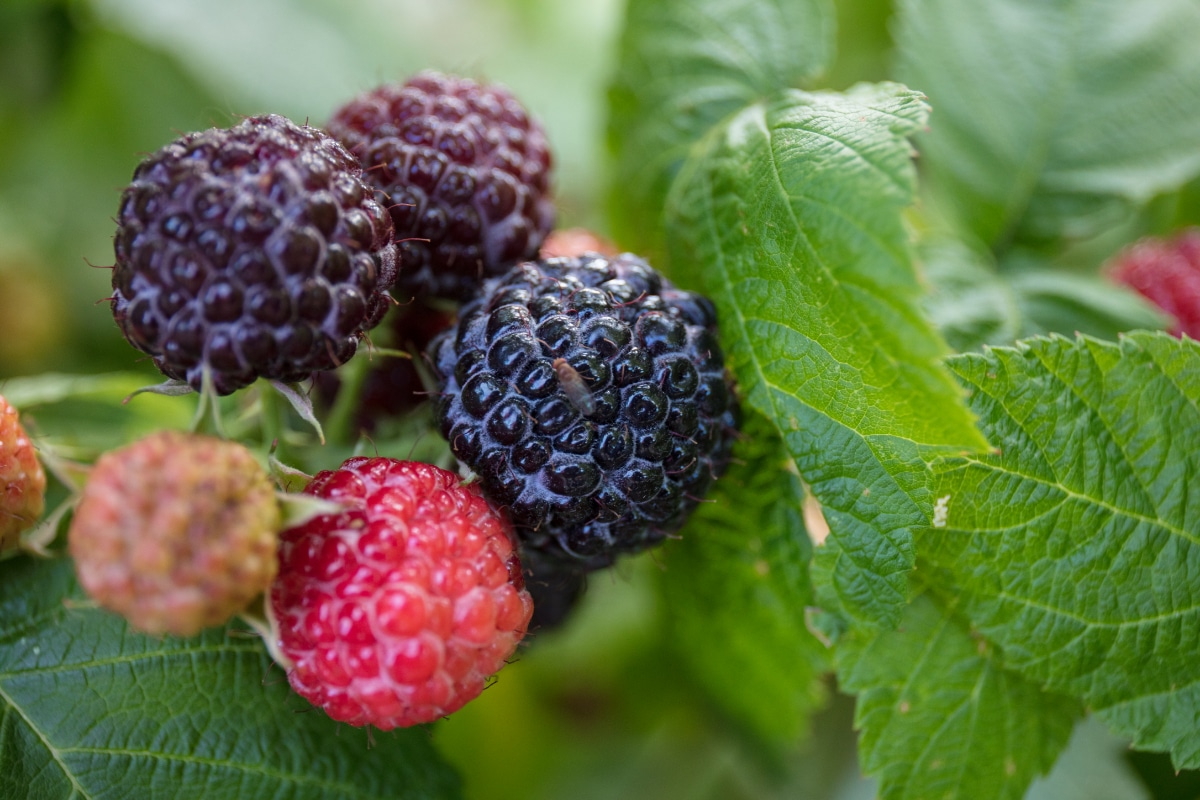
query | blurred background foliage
(602,708)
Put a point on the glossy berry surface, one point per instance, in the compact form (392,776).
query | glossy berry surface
(176,532)
(397,610)
(590,396)
(255,251)
(1167,273)
(466,173)
(22,480)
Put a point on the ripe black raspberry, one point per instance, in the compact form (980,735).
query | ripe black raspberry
(466,173)
(591,397)
(255,251)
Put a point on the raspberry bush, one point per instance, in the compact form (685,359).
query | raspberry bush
(922,526)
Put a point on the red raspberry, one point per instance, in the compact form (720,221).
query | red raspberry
(398,609)
(1166,271)
(23,496)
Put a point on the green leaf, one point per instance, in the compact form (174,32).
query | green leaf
(80,416)
(1076,543)
(91,709)
(1053,118)
(685,65)
(739,576)
(941,717)
(791,215)
(970,303)
(1061,302)
(974,305)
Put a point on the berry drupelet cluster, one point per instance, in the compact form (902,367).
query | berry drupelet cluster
(397,609)
(255,251)
(22,479)
(176,532)
(591,398)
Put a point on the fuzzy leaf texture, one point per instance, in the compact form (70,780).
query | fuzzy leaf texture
(685,65)
(941,717)
(89,709)
(1076,546)
(1053,117)
(739,576)
(791,215)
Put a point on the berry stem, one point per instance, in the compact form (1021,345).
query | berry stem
(208,410)
(340,425)
(271,419)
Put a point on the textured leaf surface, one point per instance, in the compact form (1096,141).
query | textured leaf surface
(736,589)
(941,717)
(90,710)
(1077,545)
(685,65)
(1053,117)
(791,215)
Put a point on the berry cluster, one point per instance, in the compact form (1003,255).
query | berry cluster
(587,393)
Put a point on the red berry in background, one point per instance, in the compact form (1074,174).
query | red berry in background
(1167,273)
(176,532)
(466,174)
(574,242)
(255,251)
(397,610)
(22,481)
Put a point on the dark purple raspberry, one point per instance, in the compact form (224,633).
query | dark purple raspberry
(466,173)
(255,251)
(591,398)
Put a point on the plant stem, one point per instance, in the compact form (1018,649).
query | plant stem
(339,428)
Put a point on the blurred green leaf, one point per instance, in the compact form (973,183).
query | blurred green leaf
(91,709)
(1061,302)
(970,303)
(683,67)
(791,214)
(81,416)
(973,304)
(739,576)
(941,717)
(1075,543)
(1053,118)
